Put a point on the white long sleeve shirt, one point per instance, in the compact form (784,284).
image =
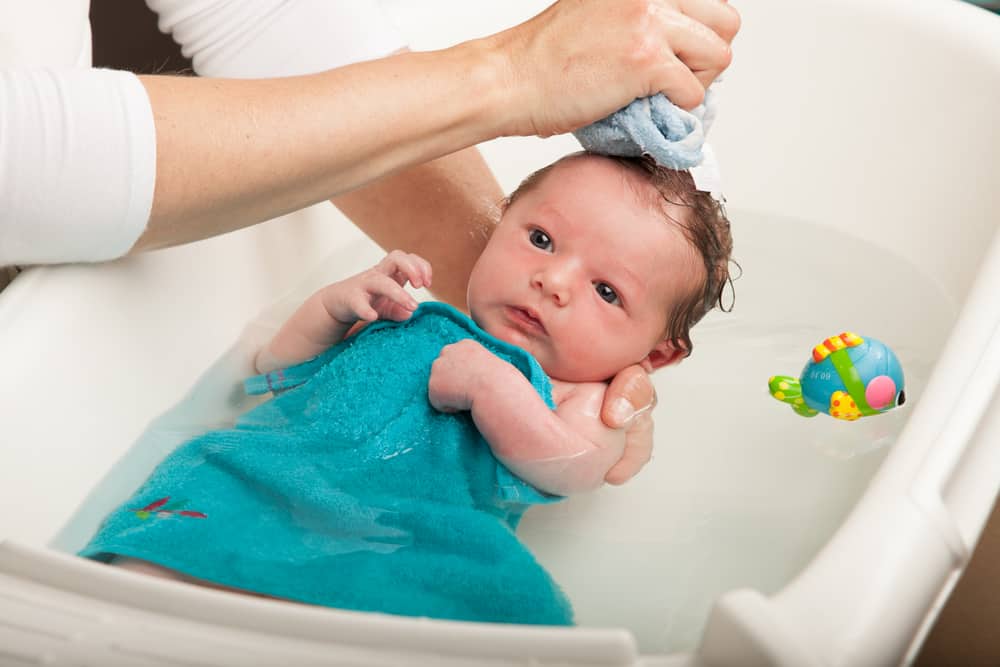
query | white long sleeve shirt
(78,145)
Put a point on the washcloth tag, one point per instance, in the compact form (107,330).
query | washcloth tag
(706,175)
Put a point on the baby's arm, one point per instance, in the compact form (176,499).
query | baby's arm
(563,452)
(326,317)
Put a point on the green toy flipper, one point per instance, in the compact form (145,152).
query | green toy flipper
(789,390)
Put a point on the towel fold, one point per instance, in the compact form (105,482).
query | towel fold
(656,127)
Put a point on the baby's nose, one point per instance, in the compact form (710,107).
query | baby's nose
(554,284)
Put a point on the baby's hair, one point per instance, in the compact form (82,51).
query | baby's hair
(706,229)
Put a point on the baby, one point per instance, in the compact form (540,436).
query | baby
(391,467)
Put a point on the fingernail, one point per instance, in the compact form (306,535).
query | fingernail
(622,411)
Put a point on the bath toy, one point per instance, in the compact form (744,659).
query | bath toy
(848,377)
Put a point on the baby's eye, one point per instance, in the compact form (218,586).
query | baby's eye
(608,293)
(540,239)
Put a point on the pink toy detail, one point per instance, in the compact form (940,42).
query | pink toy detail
(880,392)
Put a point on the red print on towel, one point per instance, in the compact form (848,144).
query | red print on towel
(160,509)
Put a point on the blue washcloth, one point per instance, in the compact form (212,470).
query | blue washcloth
(347,489)
(653,126)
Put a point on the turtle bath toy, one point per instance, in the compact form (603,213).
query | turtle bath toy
(848,377)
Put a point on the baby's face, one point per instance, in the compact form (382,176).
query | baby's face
(582,272)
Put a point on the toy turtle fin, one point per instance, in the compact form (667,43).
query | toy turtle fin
(789,390)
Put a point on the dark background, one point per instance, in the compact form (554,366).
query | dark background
(126,37)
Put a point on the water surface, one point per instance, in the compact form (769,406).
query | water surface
(742,492)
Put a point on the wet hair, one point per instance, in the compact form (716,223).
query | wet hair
(705,226)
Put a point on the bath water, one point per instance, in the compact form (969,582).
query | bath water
(742,492)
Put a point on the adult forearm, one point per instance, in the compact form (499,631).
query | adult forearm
(443,210)
(234,152)
(298,140)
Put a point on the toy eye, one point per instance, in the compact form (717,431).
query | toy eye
(901,398)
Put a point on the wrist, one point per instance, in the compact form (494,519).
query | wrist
(491,83)
(334,307)
(477,392)
(492,381)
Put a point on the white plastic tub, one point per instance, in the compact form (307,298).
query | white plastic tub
(858,142)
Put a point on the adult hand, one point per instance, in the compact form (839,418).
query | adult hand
(580,60)
(628,404)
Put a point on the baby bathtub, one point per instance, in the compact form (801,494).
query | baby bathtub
(873,120)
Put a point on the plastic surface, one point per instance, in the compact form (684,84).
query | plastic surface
(93,354)
(60,610)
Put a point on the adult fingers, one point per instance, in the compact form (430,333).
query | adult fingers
(721,17)
(693,46)
(679,83)
(631,392)
(638,450)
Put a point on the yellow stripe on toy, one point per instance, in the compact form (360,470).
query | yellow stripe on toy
(834,343)
(851,339)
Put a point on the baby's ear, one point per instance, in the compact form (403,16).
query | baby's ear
(666,353)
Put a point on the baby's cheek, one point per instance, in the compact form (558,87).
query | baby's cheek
(588,363)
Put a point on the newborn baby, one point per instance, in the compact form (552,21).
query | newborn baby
(391,467)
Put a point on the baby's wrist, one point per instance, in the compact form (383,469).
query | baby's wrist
(490,378)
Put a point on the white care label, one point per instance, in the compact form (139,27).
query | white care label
(706,175)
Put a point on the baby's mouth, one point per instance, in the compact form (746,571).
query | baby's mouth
(526,319)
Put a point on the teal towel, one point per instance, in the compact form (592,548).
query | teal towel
(347,489)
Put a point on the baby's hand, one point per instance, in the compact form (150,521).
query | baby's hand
(456,372)
(328,315)
(378,292)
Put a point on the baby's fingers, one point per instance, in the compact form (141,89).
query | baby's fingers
(388,298)
(403,266)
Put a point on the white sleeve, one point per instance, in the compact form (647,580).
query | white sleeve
(77,164)
(264,38)
(78,147)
